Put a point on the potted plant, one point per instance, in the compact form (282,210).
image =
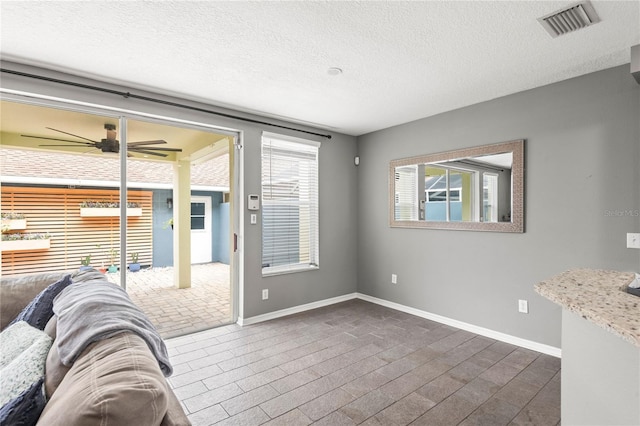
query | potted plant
(102,268)
(85,262)
(134,266)
(113,254)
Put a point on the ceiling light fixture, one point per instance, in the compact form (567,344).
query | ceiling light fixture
(334,71)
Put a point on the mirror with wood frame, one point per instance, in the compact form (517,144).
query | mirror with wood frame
(476,189)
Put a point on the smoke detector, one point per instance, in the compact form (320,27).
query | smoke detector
(574,17)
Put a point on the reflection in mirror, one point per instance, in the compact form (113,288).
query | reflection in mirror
(477,188)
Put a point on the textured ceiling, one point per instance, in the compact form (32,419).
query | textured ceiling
(401,60)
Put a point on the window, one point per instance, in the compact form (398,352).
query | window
(440,195)
(447,194)
(289,204)
(490,197)
(406,199)
(197,216)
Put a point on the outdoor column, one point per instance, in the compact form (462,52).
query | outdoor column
(182,224)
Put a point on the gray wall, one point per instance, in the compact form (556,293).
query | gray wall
(338,232)
(582,156)
(338,197)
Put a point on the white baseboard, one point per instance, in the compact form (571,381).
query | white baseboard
(507,338)
(295,309)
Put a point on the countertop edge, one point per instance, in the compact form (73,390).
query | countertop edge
(597,296)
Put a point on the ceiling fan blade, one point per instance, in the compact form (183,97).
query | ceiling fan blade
(57,139)
(71,134)
(158,142)
(72,146)
(142,151)
(133,148)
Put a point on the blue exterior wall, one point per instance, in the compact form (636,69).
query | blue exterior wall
(163,234)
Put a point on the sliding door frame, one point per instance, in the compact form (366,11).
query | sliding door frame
(235,170)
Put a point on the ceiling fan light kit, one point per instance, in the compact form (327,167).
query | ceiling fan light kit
(110,143)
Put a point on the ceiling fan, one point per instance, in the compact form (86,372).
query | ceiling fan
(111,144)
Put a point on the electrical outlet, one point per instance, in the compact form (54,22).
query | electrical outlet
(633,240)
(265,294)
(254,218)
(523,306)
(394,279)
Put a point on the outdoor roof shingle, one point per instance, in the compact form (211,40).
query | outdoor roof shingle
(19,163)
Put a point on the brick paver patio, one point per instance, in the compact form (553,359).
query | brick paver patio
(174,311)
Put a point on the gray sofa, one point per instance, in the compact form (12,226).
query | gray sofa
(115,381)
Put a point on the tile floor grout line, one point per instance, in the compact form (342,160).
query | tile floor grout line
(397,333)
(536,394)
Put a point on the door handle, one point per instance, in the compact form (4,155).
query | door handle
(235,242)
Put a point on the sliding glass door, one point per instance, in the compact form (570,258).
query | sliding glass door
(145,201)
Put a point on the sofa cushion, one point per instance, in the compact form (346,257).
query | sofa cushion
(116,381)
(55,371)
(40,310)
(51,327)
(17,292)
(23,351)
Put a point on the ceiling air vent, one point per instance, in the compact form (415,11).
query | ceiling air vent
(569,19)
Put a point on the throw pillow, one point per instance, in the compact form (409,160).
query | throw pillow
(16,339)
(40,310)
(26,408)
(21,378)
(17,291)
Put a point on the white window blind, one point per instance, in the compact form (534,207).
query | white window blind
(289,204)
(406,202)
(490,197)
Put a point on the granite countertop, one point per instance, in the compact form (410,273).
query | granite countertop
(598,296)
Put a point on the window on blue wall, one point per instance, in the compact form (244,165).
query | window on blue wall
(435,195)
(197,216)
(289,204)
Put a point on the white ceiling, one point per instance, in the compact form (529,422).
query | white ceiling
(401,60)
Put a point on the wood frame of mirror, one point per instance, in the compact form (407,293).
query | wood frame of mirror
(517,186)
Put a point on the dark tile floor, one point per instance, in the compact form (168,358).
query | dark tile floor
(360,363)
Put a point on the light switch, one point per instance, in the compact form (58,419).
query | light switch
(523,306)
(254,218)
(633,240)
